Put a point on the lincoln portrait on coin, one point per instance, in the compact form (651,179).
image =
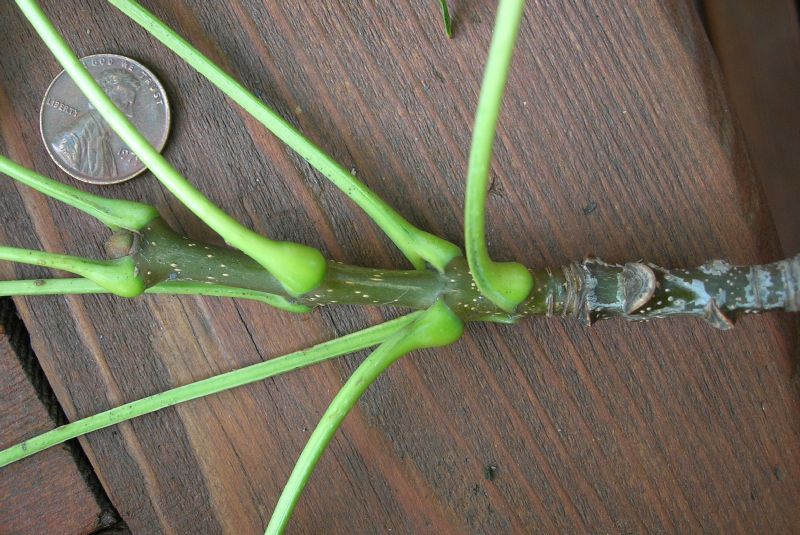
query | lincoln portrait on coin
(85,145)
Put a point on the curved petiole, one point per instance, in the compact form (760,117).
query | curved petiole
(226,381)
(506,284)
(114,213)
(118,276)
(299,268)
(435,327)
(417,245)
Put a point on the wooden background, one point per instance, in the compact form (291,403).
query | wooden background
(758,45)
(616,139)
(56,491)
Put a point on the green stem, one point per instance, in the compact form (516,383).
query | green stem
(77,286)
(506,284)
(448,23)
(117,276)
(298,267)
(257,372)
(417,245)
(217,290)
(436,327)
(114,213)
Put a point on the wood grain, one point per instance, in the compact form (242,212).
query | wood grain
(46,493)
(662,427)
(759,49)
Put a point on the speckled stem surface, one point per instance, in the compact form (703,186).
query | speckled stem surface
(716,291)
(590,290)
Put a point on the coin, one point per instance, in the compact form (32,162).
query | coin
(78,139)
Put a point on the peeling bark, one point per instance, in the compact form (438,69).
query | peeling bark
(716,291)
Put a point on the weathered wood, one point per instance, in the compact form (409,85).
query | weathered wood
(47,493)
(615,139)
(758,44)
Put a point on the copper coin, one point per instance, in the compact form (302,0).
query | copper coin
(79,140)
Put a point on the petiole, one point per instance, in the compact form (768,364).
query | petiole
(298,267)
(417,245)
(438,326)
(114,213)
(82,286)
(256,372)
(506,284)
(119,276)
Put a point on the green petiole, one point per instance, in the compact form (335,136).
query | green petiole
(73,286)
(114,213)
(299,268)
(218,290)
(417,245)
(435,327)
(506,284)
(82,286)
(257,372)
(116,276)
(446,20)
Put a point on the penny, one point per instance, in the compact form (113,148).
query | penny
(78,139)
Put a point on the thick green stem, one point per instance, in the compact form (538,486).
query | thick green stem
(226,381)
(436,327)
(163,256)
(506,284)
(114,213)
(299,268)
(118,276)
(417,245)
(590,290)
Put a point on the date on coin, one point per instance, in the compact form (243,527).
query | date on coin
(78,139)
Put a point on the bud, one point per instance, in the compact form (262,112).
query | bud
(122,243)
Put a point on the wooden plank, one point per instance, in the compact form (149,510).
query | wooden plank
(46,493)
(666,427)
(759,49)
